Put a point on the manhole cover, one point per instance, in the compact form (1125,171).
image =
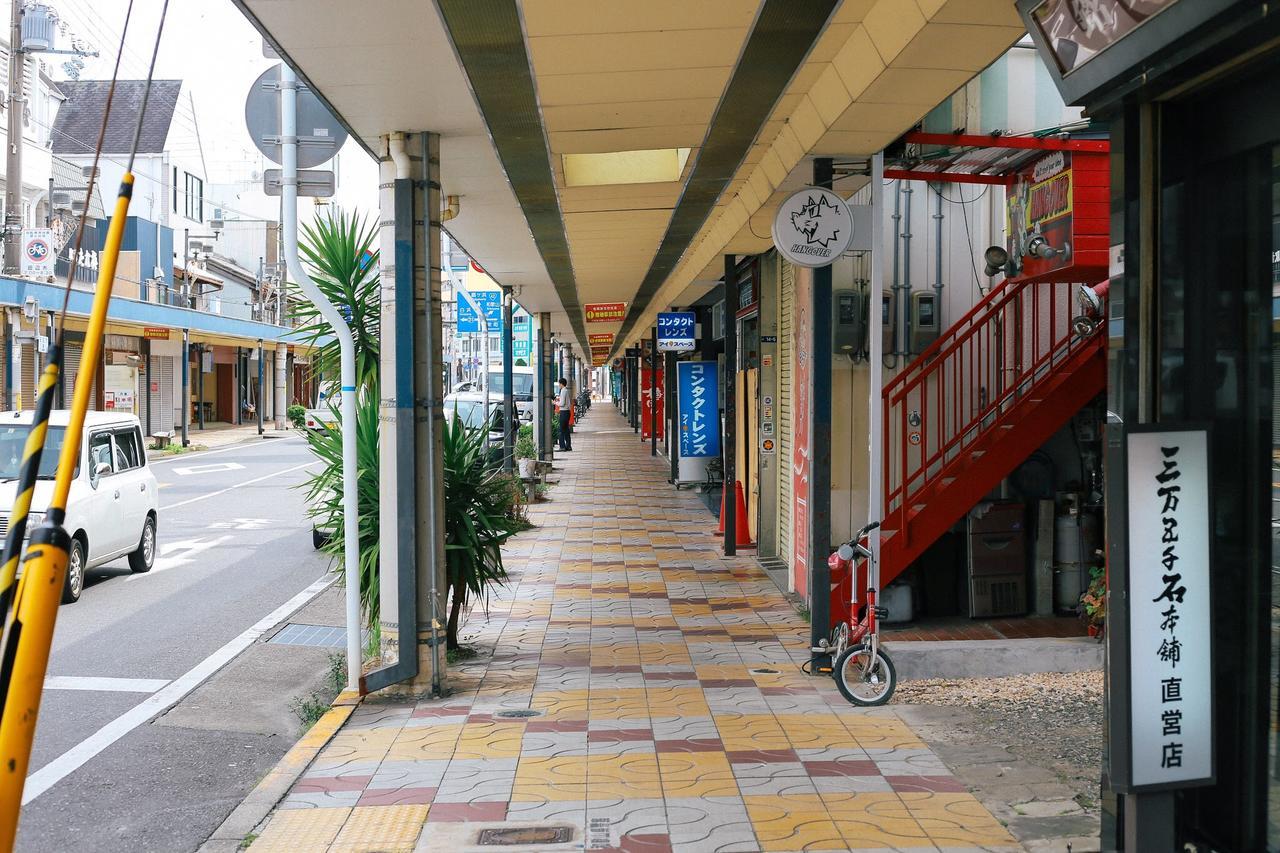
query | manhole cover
(519,712)
(517,835)
(765,671)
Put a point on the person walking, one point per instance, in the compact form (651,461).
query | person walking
(564,404)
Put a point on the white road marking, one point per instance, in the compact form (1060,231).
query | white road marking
(242,524)
(174,554)
(102,683)
(210,468)
(246,445)
(239,485)
(76,757)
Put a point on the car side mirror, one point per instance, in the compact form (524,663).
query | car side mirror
(101,468)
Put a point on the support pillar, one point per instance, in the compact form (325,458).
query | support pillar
(509,422)
(282,355)
(200,385)
(412,601)
(146,346)
(185,400)
(729,447)
(541,389)
(653,392)
(671,407)
(260,403)
(820,445)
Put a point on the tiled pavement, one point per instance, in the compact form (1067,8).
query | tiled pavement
(671,711)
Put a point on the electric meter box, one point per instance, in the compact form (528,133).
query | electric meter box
(926,320)
(888,317)
(849,322)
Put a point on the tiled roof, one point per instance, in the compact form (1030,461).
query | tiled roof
(80,118)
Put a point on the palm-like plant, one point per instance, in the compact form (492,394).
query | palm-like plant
(478,518)
(340,258)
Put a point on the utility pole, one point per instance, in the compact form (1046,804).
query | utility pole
(13,158)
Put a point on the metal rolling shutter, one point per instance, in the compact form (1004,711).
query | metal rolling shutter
(71,369)
(786,322)
(162,401)
(29,359)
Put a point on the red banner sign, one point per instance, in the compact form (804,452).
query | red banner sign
(1059,221)
(153,333)
(605,312)
(600,339)
(646,409)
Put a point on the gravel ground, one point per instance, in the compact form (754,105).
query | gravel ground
(1053,720)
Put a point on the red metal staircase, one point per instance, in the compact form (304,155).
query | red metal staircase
(975,405)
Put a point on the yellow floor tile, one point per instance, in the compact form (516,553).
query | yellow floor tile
(381,828)
(955,819)
(490,740)
(696,774)
(300,831)
(793,822)
(425,743)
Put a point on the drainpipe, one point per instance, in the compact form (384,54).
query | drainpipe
(904,300)
(896,286)
(350,483)
(937,261)
(186,387)
(395,148)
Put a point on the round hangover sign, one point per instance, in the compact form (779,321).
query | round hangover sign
(37,250)
(813,227)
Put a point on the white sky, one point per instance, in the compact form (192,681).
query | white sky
(211,46)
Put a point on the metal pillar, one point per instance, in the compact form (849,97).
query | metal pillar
(200,385)
(509,423)
(186,386)
(653,393)
(146,344)
(13,160)
(671,407)
(729,447)
(281,389)
(261,386)
(820,445)
(540,388)
(634,397)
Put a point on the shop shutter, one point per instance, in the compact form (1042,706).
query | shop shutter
(163,407)
(71,369)
(786,321)
(29,360)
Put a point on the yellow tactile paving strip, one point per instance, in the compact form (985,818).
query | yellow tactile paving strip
(671,713)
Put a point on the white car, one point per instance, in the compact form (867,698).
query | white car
(322,417)
(113,507)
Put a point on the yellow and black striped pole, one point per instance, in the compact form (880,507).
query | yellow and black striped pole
(30,631)
(31,456)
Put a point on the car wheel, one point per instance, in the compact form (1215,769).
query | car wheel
(74,583)
(144,557)
(319,538)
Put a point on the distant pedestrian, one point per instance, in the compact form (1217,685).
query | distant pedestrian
(564,405)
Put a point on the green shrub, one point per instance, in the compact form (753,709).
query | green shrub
(297,416)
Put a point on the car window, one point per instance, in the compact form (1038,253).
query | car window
(99,452)
(128,453)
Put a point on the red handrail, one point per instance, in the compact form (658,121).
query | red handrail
(956,390)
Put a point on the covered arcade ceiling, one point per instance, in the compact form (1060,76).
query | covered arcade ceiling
(614,150)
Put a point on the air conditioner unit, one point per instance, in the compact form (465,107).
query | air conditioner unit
(77,205)
(997,595)
(90,171)
(61,200)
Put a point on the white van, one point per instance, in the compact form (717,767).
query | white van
(113,507)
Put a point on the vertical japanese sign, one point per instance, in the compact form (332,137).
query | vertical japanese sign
(647,401)
(675,331)
(802,404)
(1170,644)
(699,409)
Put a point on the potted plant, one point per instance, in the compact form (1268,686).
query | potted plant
(1093,603)
(526,452)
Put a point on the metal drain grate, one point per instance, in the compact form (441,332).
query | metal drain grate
(511,836)
(316,636)
(519,713)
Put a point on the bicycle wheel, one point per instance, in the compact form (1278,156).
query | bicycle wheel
(861,682)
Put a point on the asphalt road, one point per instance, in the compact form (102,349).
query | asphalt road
(235,546)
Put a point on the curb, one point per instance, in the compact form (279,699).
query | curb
(919,659)
(255,807)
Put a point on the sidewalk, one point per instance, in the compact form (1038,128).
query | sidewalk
(669,712)
(216,435)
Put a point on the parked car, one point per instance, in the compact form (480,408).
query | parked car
(113,508)
(521,389)
(322,416)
